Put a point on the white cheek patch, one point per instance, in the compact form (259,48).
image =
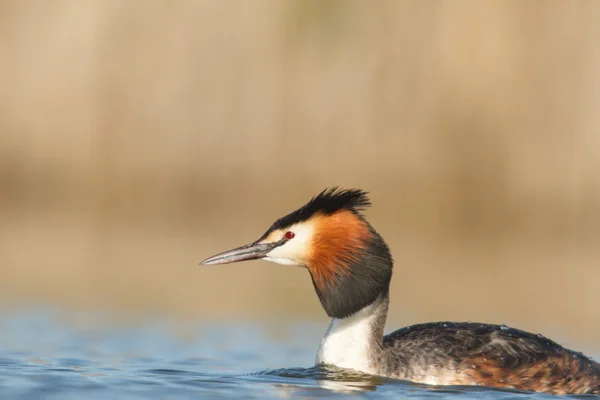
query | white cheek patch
(296,250)
(282,261)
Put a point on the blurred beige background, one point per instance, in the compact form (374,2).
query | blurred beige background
(139,137)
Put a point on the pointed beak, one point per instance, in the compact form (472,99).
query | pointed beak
(252,251)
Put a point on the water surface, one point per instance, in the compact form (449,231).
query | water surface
(49,354)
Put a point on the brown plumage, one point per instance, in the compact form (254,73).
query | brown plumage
(490,355)
(556,374)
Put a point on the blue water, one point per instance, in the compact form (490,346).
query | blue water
(58,355)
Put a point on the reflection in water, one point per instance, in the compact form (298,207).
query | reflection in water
(330,378)
(324,379)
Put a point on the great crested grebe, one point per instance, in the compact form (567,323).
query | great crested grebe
(351,267)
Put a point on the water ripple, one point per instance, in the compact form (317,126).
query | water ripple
(42,356)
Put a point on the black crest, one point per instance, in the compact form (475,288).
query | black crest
(327,202)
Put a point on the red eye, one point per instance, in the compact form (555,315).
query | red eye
(289,235)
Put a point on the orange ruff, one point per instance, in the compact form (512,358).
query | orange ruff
(339,239)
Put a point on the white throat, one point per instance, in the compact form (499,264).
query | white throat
(349,342)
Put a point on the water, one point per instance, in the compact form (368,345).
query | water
(54,355)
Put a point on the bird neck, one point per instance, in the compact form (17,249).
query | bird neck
(361,283)
(356,341)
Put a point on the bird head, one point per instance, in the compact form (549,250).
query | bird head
(349,263)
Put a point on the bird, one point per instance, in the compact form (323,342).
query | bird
(350,265)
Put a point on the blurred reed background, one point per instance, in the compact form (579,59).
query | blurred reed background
(139,137)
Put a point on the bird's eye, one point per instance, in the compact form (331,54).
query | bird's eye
(289,235)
